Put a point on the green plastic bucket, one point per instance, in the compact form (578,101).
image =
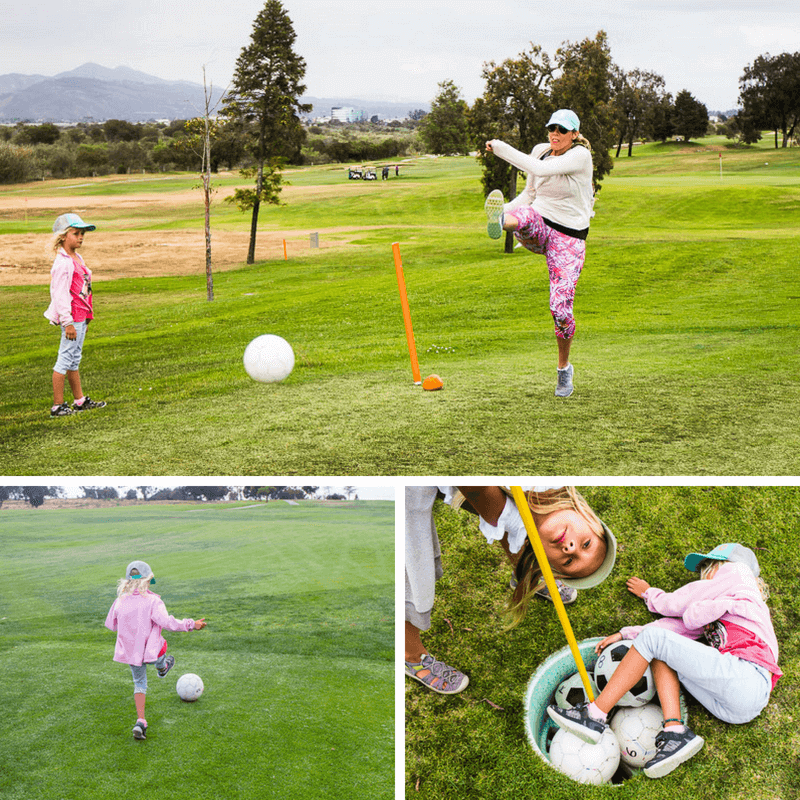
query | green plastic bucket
(539,728)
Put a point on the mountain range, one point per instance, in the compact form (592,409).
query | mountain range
(92,93)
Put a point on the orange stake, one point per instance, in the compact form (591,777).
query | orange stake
(401,285)
(285,257)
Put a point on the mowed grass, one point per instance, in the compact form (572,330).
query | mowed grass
(474,744)
(685,351)
(297,658)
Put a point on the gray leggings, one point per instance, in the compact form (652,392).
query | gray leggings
(140,674)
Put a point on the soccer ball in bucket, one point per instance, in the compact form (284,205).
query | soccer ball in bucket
(585,762)
(268,358)
(571,692)
(189,687)
(636,729)
(643,692)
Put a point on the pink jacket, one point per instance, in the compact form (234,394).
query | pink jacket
(59,312)
(732,595)
(138,620)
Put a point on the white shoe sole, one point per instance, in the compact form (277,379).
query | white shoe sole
(494,210)
(668,764)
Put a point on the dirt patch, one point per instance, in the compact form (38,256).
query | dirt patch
(85,502)
(25,259)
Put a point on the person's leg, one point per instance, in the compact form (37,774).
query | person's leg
(564,346)
(59,381)
(669,693)
(426,669)
(140,699)
(624,678)
(74,378)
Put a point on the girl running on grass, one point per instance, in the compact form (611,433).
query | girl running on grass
(732,678)
(580,549)
(138,615)
(71,308)
(551,216)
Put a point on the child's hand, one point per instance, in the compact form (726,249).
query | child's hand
(637,586)
(615,637)
(199,624)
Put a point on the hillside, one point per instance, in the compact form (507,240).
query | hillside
(93,93)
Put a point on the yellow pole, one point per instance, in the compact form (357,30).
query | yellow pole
(401,285)
(547,573)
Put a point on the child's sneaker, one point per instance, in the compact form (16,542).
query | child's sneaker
(140,729)
(672,750)
(494,213)
(88,403)
(567,593)
(577,720)
(61,411)
(169,663)
(564,387)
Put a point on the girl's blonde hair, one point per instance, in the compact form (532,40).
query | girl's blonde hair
(709,567)
(527,571)
(131,585)
(57,242)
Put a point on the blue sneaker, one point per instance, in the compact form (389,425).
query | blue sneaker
(672,750)
(494,214)
(577,720)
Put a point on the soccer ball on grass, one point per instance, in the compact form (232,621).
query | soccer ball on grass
(268,358)
(189,687)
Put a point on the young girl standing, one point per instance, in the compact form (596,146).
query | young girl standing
(71,308)
(733,678)
(138,616)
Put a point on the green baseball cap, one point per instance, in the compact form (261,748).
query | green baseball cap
(724,552)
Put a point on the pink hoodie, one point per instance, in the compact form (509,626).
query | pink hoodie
(138,620)
(731,596)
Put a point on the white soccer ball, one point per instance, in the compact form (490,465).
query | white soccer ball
(189,687)
(571,692)
(643,692)
(582,761)
(268,358)
(636,729)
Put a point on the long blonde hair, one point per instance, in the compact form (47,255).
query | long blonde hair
(527,572)
(57,242)
(131,585)
(709,567)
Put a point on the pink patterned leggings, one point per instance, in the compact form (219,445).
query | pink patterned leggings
(565,256)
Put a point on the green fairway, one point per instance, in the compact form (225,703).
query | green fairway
(297,658)
(685,351)
(473,744)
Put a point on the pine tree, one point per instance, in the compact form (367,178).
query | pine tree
(265,93)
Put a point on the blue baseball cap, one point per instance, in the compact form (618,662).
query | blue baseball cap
(724,552)
(66,221)
(566,119)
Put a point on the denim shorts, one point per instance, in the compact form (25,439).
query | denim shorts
(71,350)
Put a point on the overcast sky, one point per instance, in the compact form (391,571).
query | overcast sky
(402,49)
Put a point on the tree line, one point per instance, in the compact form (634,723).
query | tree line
(35,496)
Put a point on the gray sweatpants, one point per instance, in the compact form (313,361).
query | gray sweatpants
(732,689)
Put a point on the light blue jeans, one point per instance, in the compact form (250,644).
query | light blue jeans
(140,674)
(732,689)
(70,351)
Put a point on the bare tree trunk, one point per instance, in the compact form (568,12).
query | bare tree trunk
(251,252)
(512,193)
